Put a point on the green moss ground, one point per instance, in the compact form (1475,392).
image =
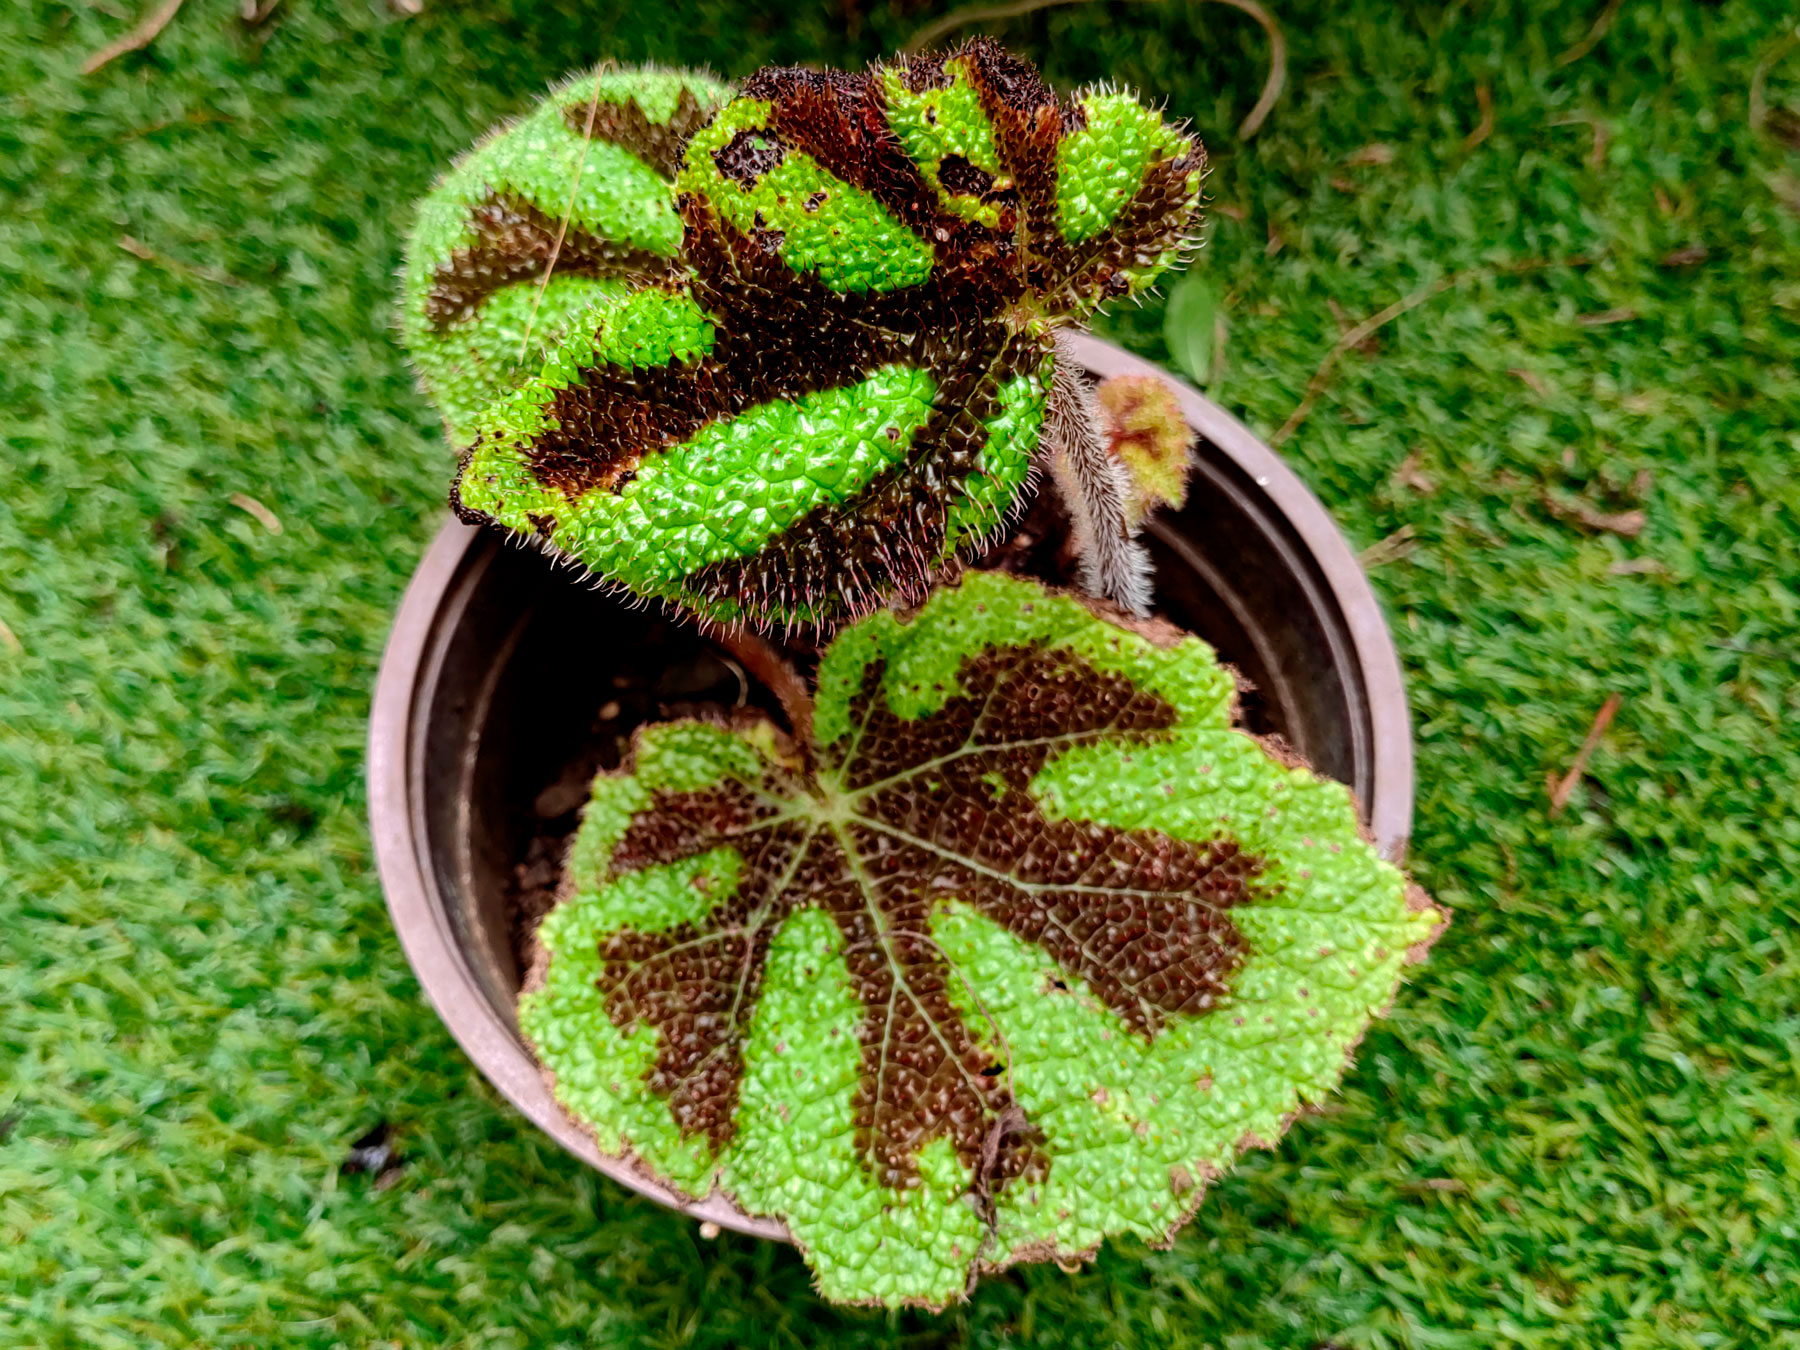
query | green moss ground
(1578,1129)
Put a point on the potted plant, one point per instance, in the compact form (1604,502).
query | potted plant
(934,917)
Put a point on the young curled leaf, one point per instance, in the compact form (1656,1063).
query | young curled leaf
(1151,439)
(1019,951)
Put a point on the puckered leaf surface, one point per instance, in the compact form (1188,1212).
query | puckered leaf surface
(582,180)
(1018,954)
(839,387)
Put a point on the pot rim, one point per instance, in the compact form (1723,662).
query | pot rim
(431,945)
(1390,806)
(435,953)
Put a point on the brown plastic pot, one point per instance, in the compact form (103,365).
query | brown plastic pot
(498,660)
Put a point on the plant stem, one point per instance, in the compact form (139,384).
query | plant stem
(767,663)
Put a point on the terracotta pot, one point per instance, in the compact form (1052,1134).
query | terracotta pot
(498,660)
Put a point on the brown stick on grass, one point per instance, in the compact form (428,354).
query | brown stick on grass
(1759,102)
(1484,127)
(1353,338)
(144,253)
(1594,34)
(1561,790)
(137,39)
(1356,336)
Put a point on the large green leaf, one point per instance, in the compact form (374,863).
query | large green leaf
(836,387)
(1018,953)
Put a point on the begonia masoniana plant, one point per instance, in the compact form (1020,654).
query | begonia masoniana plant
(1008,939)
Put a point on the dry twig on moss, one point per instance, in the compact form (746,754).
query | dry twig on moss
(1560,789)
(137,39)
(1355,337)
(138,249)
(1484,126)
(1759,80)
(1625,524)
(1594,34)
(1360,334)
(251,507)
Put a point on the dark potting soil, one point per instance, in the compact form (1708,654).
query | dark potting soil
(665,671)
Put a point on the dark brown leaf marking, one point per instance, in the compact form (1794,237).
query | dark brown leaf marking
(963,178)
(888,538)
(748,155)
(1029,124)
(941,809)
(515,241)
(697,984)
(782,335)
(659,144)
